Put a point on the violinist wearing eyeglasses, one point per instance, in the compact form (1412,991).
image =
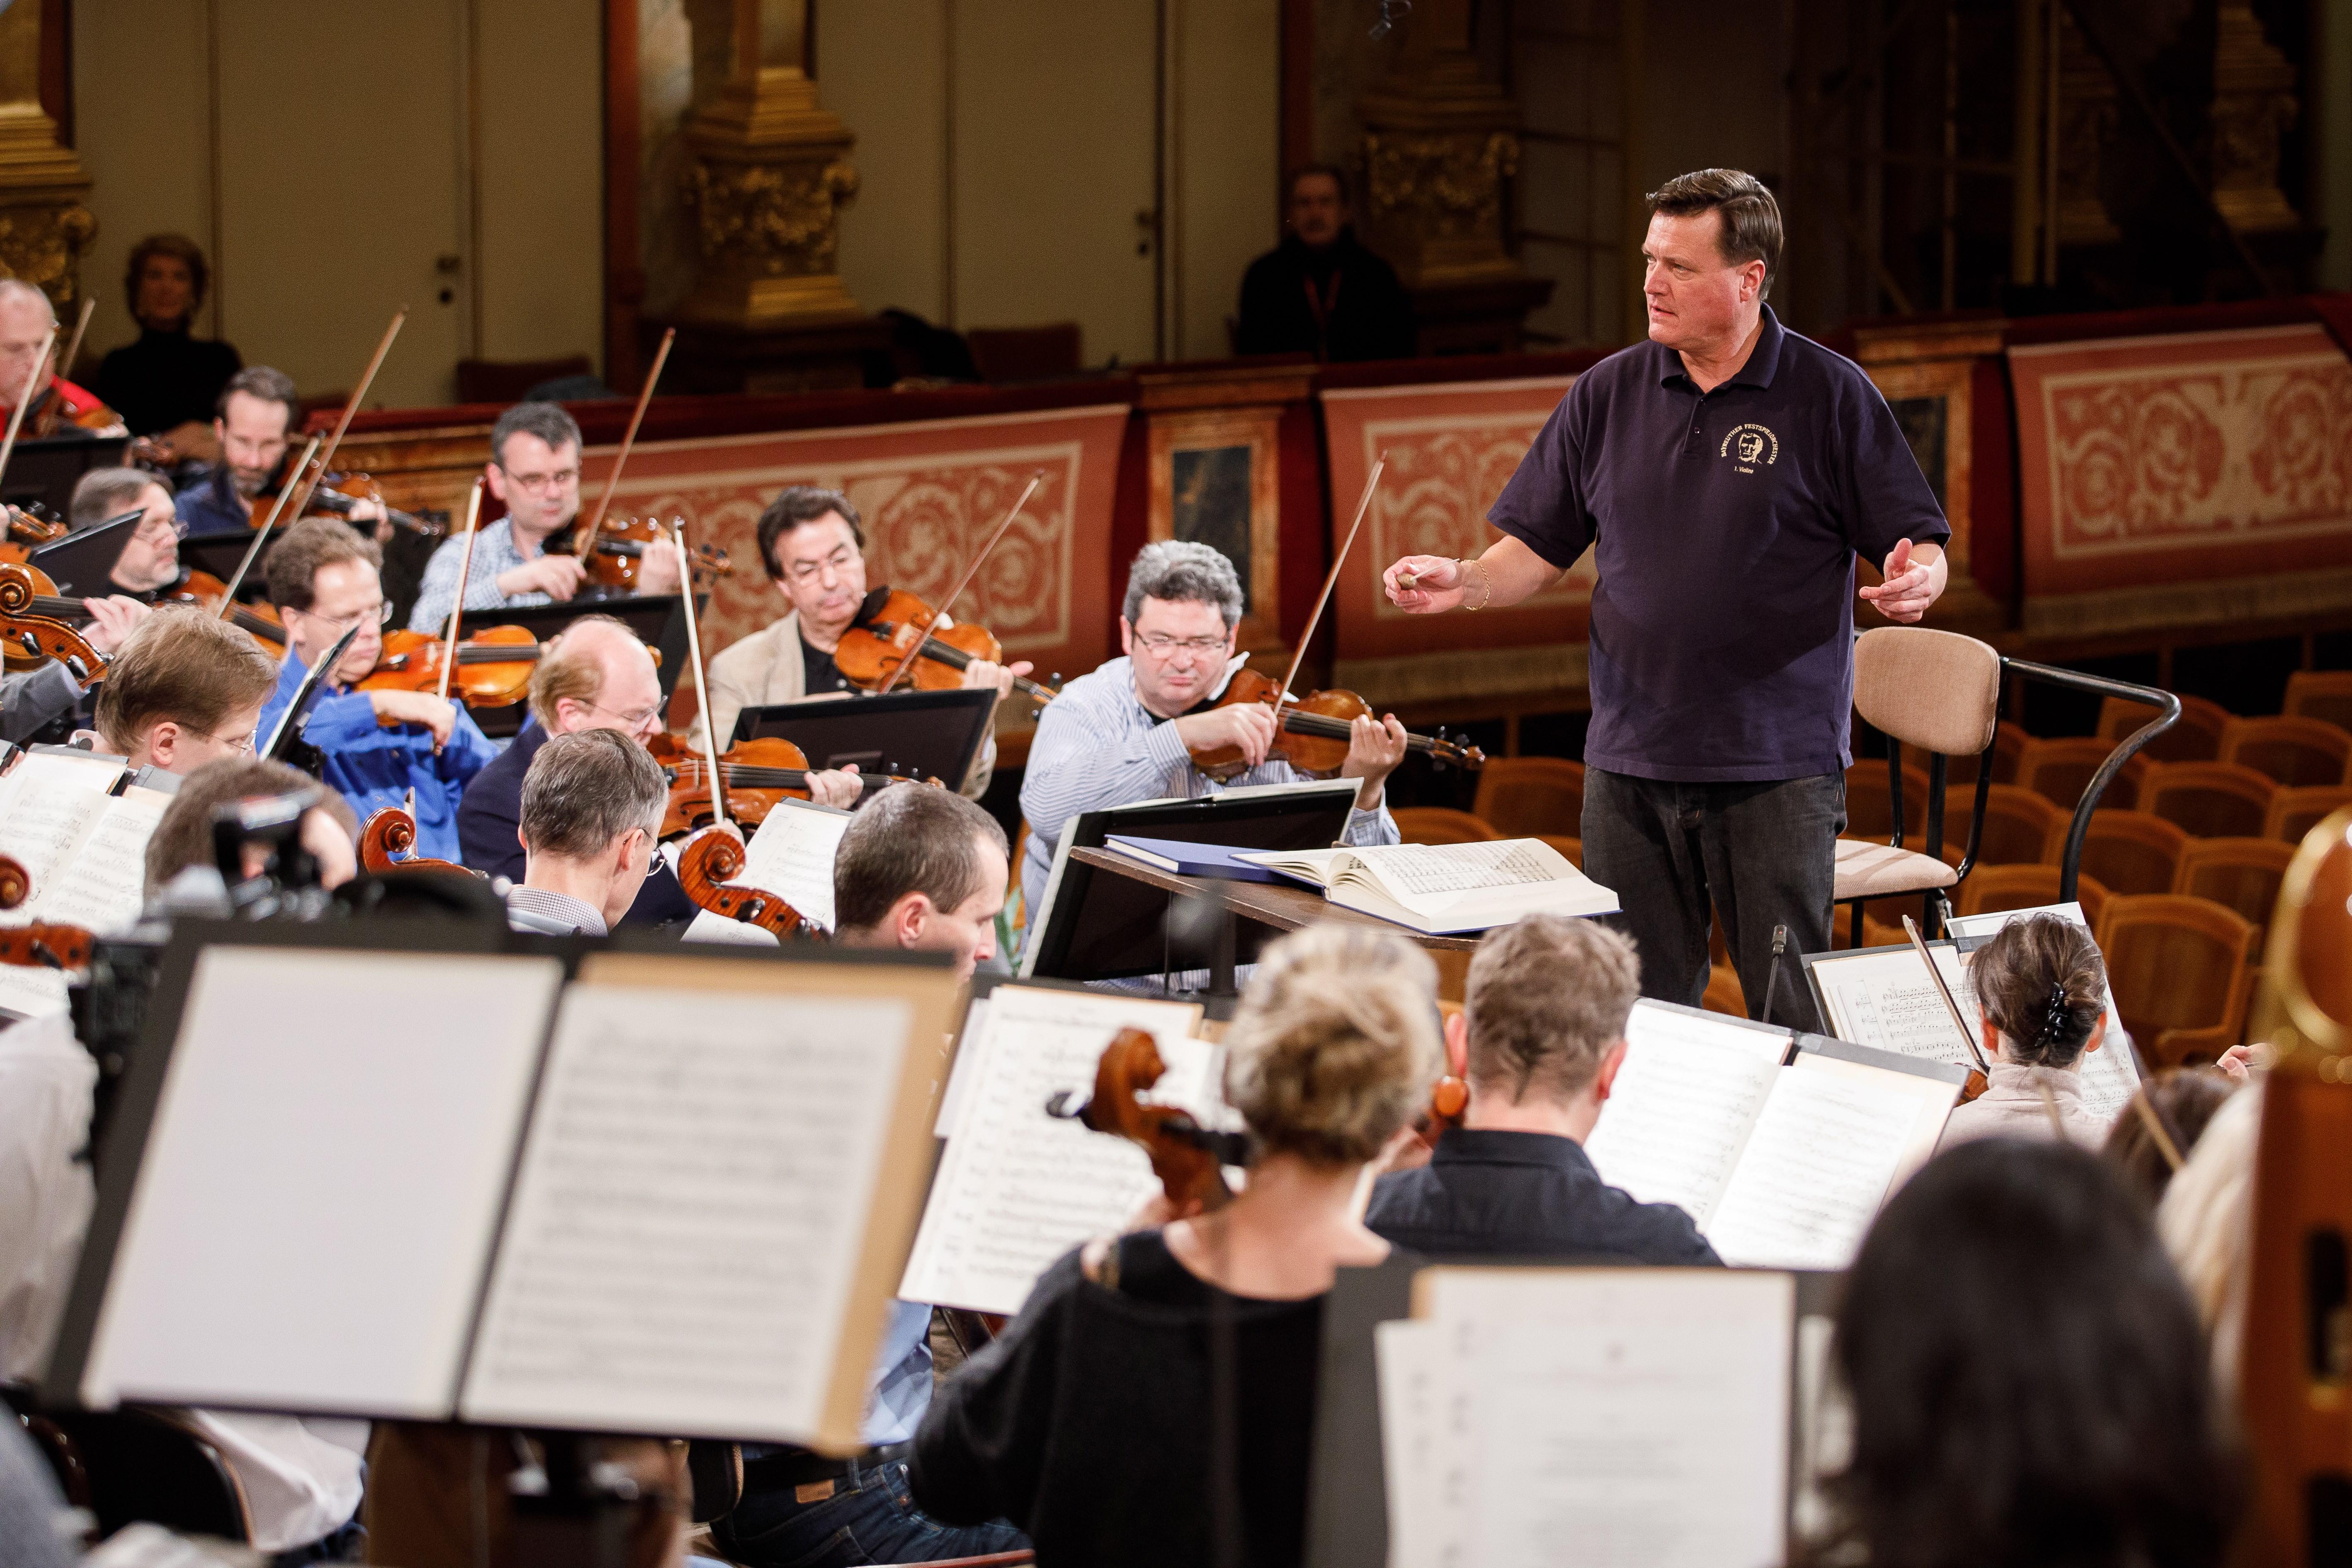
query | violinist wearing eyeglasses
(379,745)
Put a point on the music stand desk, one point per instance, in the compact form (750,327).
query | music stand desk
(1281,905)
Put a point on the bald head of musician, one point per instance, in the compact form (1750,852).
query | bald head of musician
(151,558)
(1541,1040)
(184,690)
(184,837)
(596,675)
(592,806)
(922,869)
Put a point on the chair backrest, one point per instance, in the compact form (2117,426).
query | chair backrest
(2208,800)
(1525,797)
(2243,874)
(2320,694)
(2176,962)
(144,1466)
(2289,750)
(2196,737)
(2296,812)
(2132,852)
(1937,690)
(2060,769)
(1441,825)
(1990,888)
(2020,827)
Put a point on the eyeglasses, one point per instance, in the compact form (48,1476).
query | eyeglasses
(634,718)
(380,613)
(563,478)
(1160,644)
(806,571)
(239,745)
(156,533)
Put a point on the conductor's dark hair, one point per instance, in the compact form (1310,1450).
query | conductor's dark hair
(1751,218)
(183,250)
(2029,1383)
(548,421)
(259,381)
(911,838)
(795,508)
(1331,172)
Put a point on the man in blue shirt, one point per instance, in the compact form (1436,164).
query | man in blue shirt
(1540,1039)
(253,423)
(379,745)
(1726,473)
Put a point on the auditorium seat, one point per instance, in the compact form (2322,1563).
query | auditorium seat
(1526,797)
(2020,827)
(2296,812)
(1573,848)
(1992,888)
(2320,694)
(2208,800)
(1723,992)
(2288,750)
(1441,825)
(2008,742)
(2059,770)
(2243,874)
(2182,972)
(2195,737)
(2132,852)
(1869,803)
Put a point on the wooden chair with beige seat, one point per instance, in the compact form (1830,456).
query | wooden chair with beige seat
(2195,737)
(2296,812)
(2181,971)
(1529,797)
(1441,825)
(2289,750)
(2242,874)
(2320,694)
(2208,800)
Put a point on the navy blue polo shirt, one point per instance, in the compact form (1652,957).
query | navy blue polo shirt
(1725,526)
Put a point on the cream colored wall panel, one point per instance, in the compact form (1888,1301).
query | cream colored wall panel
(882,67)
(539,249)
(1054,109)
(144,136)
(1227,79)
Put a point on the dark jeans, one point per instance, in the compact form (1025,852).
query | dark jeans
(1762,854)
(871,1517)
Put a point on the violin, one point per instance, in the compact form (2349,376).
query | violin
(758,773)
(44,945)
(1188,1158)
(37,626)
(1315,732)
(879,640)
(28,532)
(616,553)
(493,669)
(16,883)
(385,842)
(338,495)
(707,862)
(206,592)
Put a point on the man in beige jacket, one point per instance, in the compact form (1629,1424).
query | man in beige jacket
(812,543)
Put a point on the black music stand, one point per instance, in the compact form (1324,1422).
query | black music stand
(82,563)
(46,469)
(222,552)
(922,734)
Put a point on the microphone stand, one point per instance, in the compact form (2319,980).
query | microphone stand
(1772,985)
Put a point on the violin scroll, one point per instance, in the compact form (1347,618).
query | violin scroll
(386,839)
(705,864)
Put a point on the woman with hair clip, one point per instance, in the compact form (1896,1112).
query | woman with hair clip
(2090,1439)
(2043,993)
(1154,1402)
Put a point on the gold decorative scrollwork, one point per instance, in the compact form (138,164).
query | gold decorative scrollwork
(43,246)
(775,220)
(1445,184)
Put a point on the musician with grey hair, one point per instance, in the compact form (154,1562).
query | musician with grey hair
(1127,732)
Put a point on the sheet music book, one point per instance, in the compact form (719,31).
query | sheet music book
(85,852)
(1017,1188)
(1882,996)
(1779,1166)
(791,855)
(1446,888)
(669,1198)
(1656,1431)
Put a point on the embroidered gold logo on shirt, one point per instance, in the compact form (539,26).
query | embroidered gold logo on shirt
(1749,445)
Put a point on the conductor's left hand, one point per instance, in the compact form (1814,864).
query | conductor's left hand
(1909,587)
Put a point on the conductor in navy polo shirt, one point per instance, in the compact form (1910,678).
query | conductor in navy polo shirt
(1726,474)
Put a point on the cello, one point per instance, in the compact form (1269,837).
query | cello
(388,839)
(707,862)
(1188,1158)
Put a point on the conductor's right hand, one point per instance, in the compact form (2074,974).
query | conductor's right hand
(1248,725)
(557,576)
(1437,584)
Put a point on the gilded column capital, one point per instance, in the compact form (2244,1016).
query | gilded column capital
(1440,144)
(44,227)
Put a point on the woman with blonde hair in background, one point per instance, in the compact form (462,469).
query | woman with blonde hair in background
(1154,1402)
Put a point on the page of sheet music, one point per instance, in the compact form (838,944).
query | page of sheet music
(688,1211)
(100,887)
(314,1207)
(792,856)
(1654,1433)
(51,807)
(1825,1150)
(2110,1077)
(1017,1188)
(1418,1471)
(1680,1112)
(1425,868)
(1882,998)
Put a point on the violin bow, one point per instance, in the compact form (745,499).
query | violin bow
(350,406)
(1330,581)
(586,539)
(702,680)
(49,420)
(963,582)
(261,535)
(464,566)
(32,382)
